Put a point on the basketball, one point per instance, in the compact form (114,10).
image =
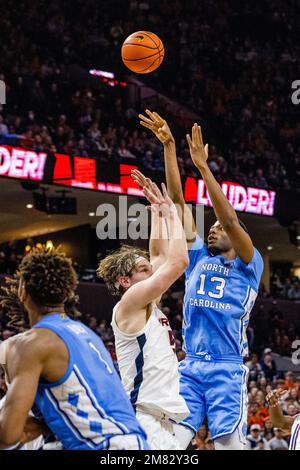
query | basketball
(143,52)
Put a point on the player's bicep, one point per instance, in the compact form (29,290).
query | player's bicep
(19,398)
(241,241)
(144,292)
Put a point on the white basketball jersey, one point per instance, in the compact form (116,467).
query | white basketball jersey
(295,436)
(149,367)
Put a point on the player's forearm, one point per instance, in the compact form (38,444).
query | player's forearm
(278,419)
(177,252)
(224,211)
(9,438)
(172,173)
(176,193)
(159,242)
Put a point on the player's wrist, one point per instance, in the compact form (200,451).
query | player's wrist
(202,166)
(170,142)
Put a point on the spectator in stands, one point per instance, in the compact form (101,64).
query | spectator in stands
(294,292)
(289,380)
(255,370)
(268,365)
(268,431)
(261,445)
(255,437)
(278,442)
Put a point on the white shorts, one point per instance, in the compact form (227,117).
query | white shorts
(160,432)
(128,442)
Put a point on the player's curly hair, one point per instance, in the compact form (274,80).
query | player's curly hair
(49,276)
(10,306)
(119,263)
(13,311)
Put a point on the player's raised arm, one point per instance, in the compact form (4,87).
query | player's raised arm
(159,238)
(275,411)
(224,211)
(162,131)
(141,294)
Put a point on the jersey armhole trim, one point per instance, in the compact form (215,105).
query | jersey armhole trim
(68,372)
(131,336)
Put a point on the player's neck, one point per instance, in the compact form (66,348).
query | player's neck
(37,315)
(228,255)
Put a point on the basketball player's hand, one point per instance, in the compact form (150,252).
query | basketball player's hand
(273,397)
(141,179)
(198,151)
(161,202)
(158,126)
(33,429)
(146,183)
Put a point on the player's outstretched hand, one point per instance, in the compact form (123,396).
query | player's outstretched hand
(161,203)
(273,397)
(198,151)
(158,126)
(141,179)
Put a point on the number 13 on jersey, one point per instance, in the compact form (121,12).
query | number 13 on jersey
(219,287)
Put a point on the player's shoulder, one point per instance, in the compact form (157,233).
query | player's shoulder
(255,262)
(36,341)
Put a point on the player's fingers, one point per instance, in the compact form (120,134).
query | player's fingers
(151,115)
(206,150)
(196,139)
(159,118)
(188,138)
(145,118)
(139,174)
(148,183)
(146,124)
(156,191)
(151,127)
(138,179)
(150,196)
(194,134)
(199,136)
(165,192)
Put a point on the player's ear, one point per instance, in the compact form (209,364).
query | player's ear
(124,281)
(22,294)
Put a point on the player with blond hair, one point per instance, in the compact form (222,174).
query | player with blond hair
(144,342)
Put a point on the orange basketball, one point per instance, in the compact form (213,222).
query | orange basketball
(143,52)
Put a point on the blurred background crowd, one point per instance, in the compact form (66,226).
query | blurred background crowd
(234,69)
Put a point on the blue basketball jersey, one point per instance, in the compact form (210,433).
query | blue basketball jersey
(219,297)
(88,406)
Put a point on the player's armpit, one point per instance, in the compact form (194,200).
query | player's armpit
(25,366)
(240,240)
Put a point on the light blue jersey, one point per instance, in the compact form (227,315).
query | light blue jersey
(218,300)
(87,409)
